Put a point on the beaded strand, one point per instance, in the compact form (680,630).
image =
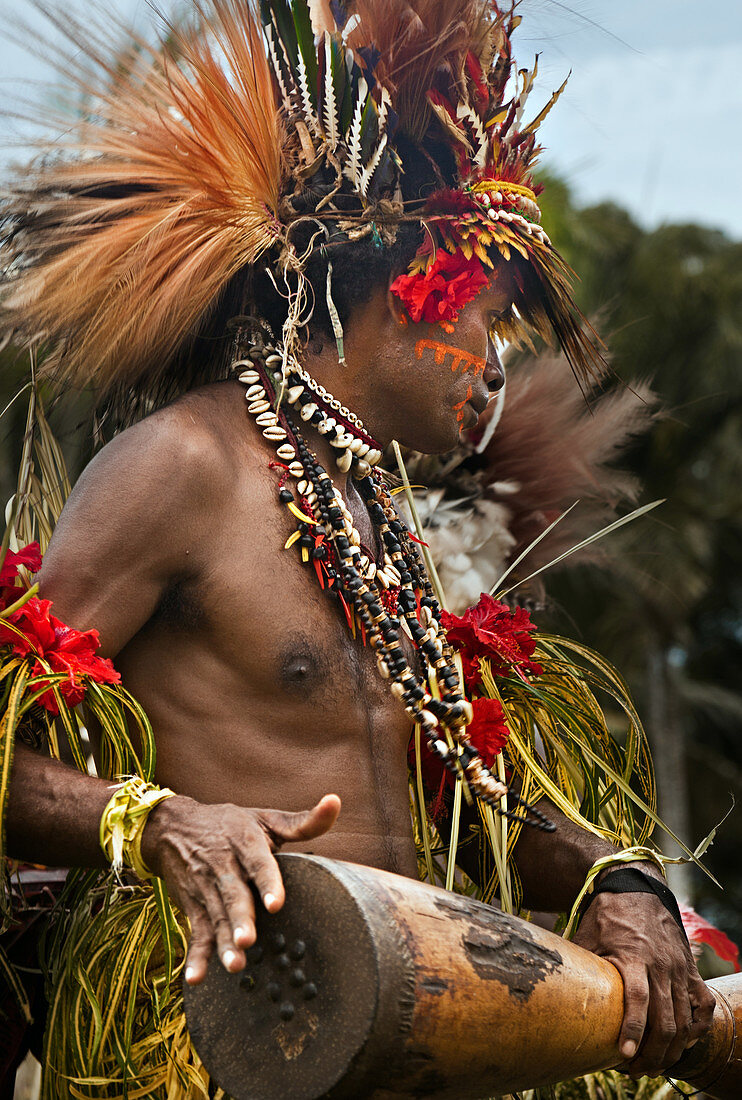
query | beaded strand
(378,597)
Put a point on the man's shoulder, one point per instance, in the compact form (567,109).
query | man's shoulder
(195,427)
(195,436)
(189,452)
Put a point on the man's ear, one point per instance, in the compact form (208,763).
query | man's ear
(316,342)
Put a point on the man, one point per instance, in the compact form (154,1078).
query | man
(174,542)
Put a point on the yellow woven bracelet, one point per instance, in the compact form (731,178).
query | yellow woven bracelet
(626,855)
(122,824)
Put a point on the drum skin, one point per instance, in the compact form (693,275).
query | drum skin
(367,984)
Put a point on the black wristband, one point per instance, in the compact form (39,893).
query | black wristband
(630,880)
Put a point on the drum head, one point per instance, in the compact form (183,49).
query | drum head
(289,1025)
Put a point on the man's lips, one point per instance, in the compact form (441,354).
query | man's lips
(479,403)
(472,410)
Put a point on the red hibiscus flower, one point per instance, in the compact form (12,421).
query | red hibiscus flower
(450,283)
(30,556)
(493,630)
(487,730)
(66,651)
(488,734)
(702,931)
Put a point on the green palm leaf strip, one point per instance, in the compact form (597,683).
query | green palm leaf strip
(420,815)
(561,747)
(18,604)
(609,529)
(8,725)
(454,841)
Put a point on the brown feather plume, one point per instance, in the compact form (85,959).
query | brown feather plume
(116,251)
(548,450)
(420,42)
(551,448)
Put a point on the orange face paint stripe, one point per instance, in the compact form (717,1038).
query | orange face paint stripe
(461,360)
(459,406)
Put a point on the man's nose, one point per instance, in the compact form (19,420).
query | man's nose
(494,372)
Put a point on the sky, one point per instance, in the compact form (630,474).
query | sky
(652,114)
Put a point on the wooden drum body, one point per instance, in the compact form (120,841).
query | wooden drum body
(370,985)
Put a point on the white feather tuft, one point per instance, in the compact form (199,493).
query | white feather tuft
(352,167)
(330,115)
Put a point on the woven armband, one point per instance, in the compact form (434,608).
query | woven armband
(626,855)
(630,880)
(122,824)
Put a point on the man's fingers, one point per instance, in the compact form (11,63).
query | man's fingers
(636,1004)
(683,1022)
(703,1003)
(305,825)
(232,957)
(200,946)
(239,906)
(660,1030)
(263,871)
(679,1013)
(282,827)
(217,858)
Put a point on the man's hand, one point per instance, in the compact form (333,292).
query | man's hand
(667,1005)
(211,856)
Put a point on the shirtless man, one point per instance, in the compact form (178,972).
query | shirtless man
(172,545)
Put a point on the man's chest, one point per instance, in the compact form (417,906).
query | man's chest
(270,617)
(256,661)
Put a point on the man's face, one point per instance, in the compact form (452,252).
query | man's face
(430,384)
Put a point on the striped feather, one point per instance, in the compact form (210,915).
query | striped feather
(419,41)
(310,117)
(274,45)
(352,166)
(373,164)
(465,113)
(330,106)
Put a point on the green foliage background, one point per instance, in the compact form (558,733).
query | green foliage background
(668,611)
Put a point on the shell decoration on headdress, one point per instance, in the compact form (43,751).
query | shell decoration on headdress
(196,158)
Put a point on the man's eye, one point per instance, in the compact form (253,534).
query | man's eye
(496,321)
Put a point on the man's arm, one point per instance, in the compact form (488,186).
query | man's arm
(134,524)
(209,856)
(667,1005)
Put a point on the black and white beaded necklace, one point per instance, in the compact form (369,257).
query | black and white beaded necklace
(380,598)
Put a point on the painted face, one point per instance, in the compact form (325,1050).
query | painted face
(415,382)
(454,375)
(458,360)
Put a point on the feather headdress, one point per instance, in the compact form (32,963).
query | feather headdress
(195,159)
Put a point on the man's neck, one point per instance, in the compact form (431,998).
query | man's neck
(320,446)
(348,381)
(338,380)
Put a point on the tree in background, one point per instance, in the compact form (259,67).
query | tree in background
(668,613)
